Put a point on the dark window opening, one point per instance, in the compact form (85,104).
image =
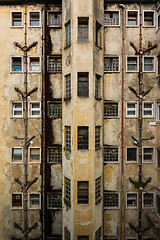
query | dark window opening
(16,19)
(83,85)
(82,138)
(16,200)
(131,154)
(83,192)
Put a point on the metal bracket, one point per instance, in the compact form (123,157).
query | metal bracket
(28,230)
(29,184)
(141,52)
(24,95)
(137,230)
(25,48)
(140,185)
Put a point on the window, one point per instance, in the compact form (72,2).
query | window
(132,18)
(111,64)
(83,138)
(54,200)
(16,64)
(67,189)
(82,30)
(98,34)
(55,19)
(158,65)
(34,19)
(148,64)
(158,158)
(111,18)
(17,155)
(68,34)
(83,85)
(148,19)
(98,234)
(131,154)
(34,109)
(110,109)
(83,192)
(97,137)
(67,235)
(83,237)
(17,110)
(158,21)
(148,154)
(55,64)
(16,19)
(55,154)
(55,109)
(34,201)
(131,109)
(68,86)
(97,189)
(34,155)
(132,64)
(68,137)
(98,86)
(111,200)
(17,200)
(148,200)
(148,109)
(131,200)
(110,154)
(34,64)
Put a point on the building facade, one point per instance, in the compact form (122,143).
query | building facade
(80,120)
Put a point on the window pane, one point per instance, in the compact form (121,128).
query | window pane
(82,137)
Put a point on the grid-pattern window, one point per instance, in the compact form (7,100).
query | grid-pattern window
(97,137)
(55,64)
(34,64)
(97,188)
(17,110)
(131,154)
(55,154)
(148,200)
(34,200)
(54,19)
(148,109)
(16,19)
(83,192)
(98,34)
(110,154)
(97,86)
(82,138)
(98,234)
(54,200)
(148,18)
(148,154)
(67,234)
(132,18)
(16,200)
(34,109)
(17,155)
(16,64)
(68,34)
(82,30)
(132,64)
(34,19)
(111,64)
(68,86)
(158,158)
(148,64)
(131,200)
(83,85)
(131,109)
(111,18)
(34,155)
(55,109)
(110,109)
(68,137)
(111,199)
(67,190)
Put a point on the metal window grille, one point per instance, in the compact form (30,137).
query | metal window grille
(83,192)
(111,18)
(55,154)
(68,189)
(82,30)
(16,64)
(35,109)
(98,234)
(54,109)
(148,199)
(17,109)
(55,19)
(82,137)
(34,19)
(68,136)
(68,34)
(16,199)
(111,64)
(67,234)
(110,154)
(16,19)
(131,154)
(147,154)
(34,200)
(54,64)
(131,200)
(149,64)
(110,109)
(131,63)
(97,188)
(54,200)
(16,154)
(148,18)
(34,154)
(97,137)
(83,85)
(111,199)
(68,86)
(132,18)
(148,109)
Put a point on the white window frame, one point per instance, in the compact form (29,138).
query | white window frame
(16,162)
(29,64)
(20,109)
(111,56)
(153,18)
(114,207)
(137,18)
(152,109)
(118,11)
(148,207)
(30,16)
(29,154)
(20,193)
(153,156)
(11,64)
(130,207)
(29,201)
(36,109)
(149,56)
(11,19)
(132,109)
(131,56)
(136,155)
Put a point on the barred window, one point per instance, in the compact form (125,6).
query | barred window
(97,137)
(98,234)
(148,200)
(54,64)
(97,188)
(110,154)
(83,192)
(110,109)
(54,200)
(111,64)
(83,85)
(82,138)
(55,109)
(55,19)
(68,34)
(111,199)
(148,154)
(111,18)
(68,85)
(68,137)
(82,30)
(55,154)
(67,234)
(67,189)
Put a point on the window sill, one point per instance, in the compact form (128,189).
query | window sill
(98,200)
(112,26)
(67,99)
(34,26)
(67,202)
(110,72)
(113,162)
(55,26)
(132,26)
(83,42)
(98,148)
(58,72)
(16,27)
(54,163)
(16,72)
(68,46)
(111,117)
(67,149)
(98,98)
(55,117)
